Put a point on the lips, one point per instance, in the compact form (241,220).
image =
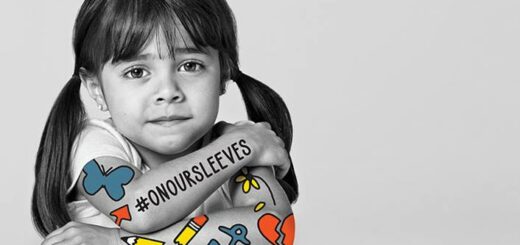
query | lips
(169,120)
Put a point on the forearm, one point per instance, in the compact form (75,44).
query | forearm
(256,227)
(147,202)
(183,184)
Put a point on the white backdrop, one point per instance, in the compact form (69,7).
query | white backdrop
(406,113)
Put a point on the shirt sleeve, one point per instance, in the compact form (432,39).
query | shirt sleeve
(91,143)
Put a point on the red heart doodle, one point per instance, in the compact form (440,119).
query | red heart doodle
(268,223)
(287,229)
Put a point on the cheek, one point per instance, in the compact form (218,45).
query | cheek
(125,111)
(125,123)
(207,100)
(209,103)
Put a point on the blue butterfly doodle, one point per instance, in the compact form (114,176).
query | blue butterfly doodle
(111,180)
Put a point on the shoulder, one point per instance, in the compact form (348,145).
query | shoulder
(96,129)
(99,138)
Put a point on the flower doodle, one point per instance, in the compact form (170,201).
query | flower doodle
(247,179)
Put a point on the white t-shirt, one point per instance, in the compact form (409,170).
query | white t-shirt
(100,138)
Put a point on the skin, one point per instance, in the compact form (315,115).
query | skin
(137,92)
(243,213)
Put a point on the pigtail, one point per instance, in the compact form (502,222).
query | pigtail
(65,121)
(264,104)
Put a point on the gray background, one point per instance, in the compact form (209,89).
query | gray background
(406,113)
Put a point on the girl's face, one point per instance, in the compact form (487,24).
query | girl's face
(163,105)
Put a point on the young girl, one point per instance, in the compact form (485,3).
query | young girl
(158,67)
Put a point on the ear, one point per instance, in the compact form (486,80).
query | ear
(93,86)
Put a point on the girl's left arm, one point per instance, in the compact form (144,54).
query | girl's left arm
(262,215)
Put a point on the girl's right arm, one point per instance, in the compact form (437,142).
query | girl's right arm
(247,222)
(142,203)
(230,226)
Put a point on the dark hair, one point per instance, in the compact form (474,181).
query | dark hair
(115,30)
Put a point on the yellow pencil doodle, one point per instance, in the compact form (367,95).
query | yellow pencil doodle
(190,230)
(137,240)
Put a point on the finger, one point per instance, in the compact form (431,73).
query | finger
(222,124)
(77,240)
(285,165)
(220,127)
(71,241)
(60,230)
(264,124)
(56,239)
(245,122)
(280,142)
(282,170)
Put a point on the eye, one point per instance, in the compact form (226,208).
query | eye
(191,66)
(135,73)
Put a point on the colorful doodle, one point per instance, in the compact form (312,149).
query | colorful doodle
(190,230)
(237,233)
(137,240)
(122,213)
(271,228)
(247,179)
(96,178)
(259,206)
(288,229)
(213,242)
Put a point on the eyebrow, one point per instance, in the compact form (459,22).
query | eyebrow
(146,56)
(190,50)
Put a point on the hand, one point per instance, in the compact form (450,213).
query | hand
(75,233)
(268,148)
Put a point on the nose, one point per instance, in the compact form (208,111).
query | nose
(169,91)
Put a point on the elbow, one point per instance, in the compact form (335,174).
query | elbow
(279,210)
(133,220)
(146,223)
(143,224)
(137,226)
(281,207)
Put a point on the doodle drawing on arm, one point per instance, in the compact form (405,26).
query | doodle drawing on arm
(96,178)
(190,230)
(247,179)
(275,231)
(137,240)
(122,213)
(237,232)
